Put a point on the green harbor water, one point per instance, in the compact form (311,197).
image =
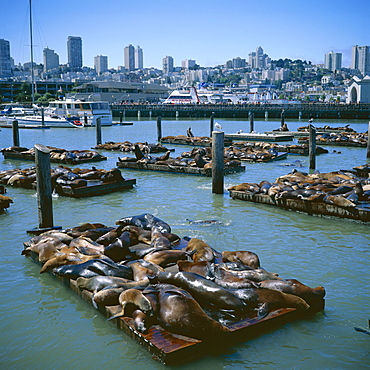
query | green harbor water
(44,325)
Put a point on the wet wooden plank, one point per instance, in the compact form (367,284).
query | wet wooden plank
(312,208)
(259,137)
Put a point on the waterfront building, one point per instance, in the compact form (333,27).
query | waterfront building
(5,60)
(129,56)
(359,90)
(167,64)
(100,64)
(74,51)
(187,63)
(258,60)
(121,92)
(333,61)
(361,59)
(139,62)
(51,59)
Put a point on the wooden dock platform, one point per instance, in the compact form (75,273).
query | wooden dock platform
(176,169)
(335,143)
(94,188)
(260,137)
(183,140)
(175,349)
(7,125)
(322,209)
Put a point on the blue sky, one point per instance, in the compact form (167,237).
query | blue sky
(209,31)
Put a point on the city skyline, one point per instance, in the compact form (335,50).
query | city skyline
(210,33)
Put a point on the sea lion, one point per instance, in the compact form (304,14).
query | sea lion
(181,314)
(164,258)
(99,282)
(60,260)
(119,249)
(339,200)
(255,275)
(110,236)
(107,297)
(202,268)
(86,246)
(138,234)
(206,292)
(44,250)
(293,286)
(158,241)
(199,250)
(92,268)
(136,298)
(247,258)
(145,221)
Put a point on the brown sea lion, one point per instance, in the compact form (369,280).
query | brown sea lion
(158,241)
(87,246)
(199,250)
(165,257)
(202,268)
(107,297)
(44,250)
(247,258)
(255,275)
(181,314)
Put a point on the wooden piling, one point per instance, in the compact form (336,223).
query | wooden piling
(282,118)
(44,189)
(218,162)
(98,131)
(312,147)
(368,142)
(211,122)
(42,116)
(159,128)
(120,116)
(85,119)
(251,122)
(15,133)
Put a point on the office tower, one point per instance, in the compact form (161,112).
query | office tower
(167,64)
(139,58)
(238,63)
(258,59)
(188,63)
(100,64)
(129,58)
(74,49)
(361,59)
(5,60)
(333,61)
(51,59)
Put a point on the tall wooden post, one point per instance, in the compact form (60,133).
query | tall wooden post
(85,119)
(312,147)
(98,131)
(15,133)
(368,142)
(282,118)
(211,122)
(251,122)
(42,116)
(218,162)
(44,189)
(159,128)
(120,116)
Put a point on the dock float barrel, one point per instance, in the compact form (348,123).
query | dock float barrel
(44,189)
(211,122)
(218,162)
(15,133)
(312,147)
(251,122)
(98,131)
(368,142)
(159,128)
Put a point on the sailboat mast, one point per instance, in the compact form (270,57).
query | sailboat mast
(32,73)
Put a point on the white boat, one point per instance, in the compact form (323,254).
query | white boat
(86,112)
(52,121)
(15,110)
(192,96)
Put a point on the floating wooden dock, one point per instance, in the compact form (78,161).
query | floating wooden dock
(176,169)
(295,134)
(335,143)
(260,137)
(205,142)
(7,125)
(94,188)
(357,213)
(175,349)
(279,157)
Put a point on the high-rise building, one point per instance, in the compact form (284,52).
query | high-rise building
(187,63)
(51,59)
(129,58)
(5,60)
(257,59)
(167,64)
(361,59)
(100,64)
(74,49)
(333,61)
(139,63)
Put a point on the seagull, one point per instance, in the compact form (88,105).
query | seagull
(310,120)
(218,126)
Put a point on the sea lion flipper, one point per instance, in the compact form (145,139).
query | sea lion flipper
(262,310)
(122,313)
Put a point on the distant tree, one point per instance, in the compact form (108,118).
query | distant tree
(25,94)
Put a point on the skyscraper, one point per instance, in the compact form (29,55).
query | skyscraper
(74,48)
(361,59)
(100,64)
(51,59)
(5,61)
(167,64)
(258,59)
(139,58)
(129,54)
(188,63)
(333,61)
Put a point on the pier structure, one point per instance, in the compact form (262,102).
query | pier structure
(302,111)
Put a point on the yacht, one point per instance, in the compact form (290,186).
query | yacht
(15,110)
(87,112)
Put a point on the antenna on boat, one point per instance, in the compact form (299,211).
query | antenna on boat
(32,72)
